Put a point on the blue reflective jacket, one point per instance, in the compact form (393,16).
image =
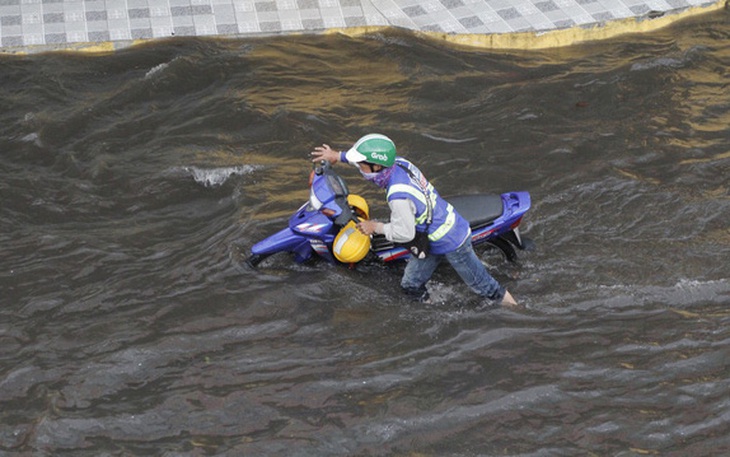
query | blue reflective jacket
(448,230)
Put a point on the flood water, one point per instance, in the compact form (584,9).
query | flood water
(132,186)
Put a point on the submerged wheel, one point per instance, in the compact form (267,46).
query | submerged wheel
(504,247)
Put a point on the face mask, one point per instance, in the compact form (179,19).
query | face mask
(369,176)
(380,178)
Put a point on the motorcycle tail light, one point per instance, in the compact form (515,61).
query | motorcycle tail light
(514,226)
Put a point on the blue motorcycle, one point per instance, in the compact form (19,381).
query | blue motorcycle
(332,209)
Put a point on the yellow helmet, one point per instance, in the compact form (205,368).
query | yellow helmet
(360,205)
(351,245)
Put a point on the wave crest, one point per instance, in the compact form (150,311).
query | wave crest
(213,177)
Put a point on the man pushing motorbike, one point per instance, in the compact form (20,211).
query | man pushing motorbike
(419,219)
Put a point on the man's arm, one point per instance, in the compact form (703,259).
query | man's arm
(402,225)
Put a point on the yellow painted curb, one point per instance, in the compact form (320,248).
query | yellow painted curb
(557,38)
(576,35)
(98,47)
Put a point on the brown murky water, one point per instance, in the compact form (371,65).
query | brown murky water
(133,184)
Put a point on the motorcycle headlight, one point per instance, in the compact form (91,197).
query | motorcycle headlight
(314,201)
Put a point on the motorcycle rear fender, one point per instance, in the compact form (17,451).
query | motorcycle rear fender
(516,204)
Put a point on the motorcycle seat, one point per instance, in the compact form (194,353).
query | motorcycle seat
(477,209)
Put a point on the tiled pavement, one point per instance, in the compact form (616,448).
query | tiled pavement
(48,23)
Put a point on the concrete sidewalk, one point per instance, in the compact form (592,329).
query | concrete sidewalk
(38,25)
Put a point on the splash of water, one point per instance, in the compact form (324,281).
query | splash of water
(214,177)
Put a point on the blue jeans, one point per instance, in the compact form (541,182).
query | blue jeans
(465,262)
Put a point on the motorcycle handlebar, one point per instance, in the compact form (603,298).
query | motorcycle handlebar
(317,169)
(320,166)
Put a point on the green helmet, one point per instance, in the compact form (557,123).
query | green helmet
(373,148)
